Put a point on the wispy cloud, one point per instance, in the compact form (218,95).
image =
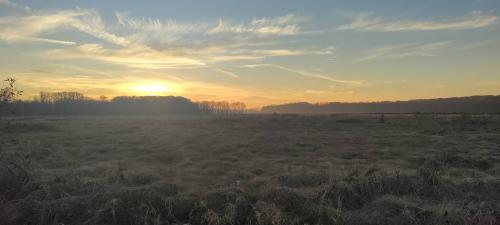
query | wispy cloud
(90,22)
(365,22)
(307,74)
(158,25)
(138,56)
(284,25)
(155,31)
(230,54)
(225,72)
(403,51)
(31,28)
(152,43)
(163,34)
(19,29)
(477,44)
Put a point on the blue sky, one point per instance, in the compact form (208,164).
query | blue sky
(260,52)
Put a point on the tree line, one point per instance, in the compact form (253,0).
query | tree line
(472,104)
(74,103)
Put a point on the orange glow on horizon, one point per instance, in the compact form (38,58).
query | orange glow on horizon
(150,89)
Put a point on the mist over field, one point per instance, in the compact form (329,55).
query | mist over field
(262,112)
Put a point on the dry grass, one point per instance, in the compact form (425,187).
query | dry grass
(281,169)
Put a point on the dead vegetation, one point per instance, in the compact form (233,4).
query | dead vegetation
(297,176)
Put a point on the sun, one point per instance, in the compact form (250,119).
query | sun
(151,89)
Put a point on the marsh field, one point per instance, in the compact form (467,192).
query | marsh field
(251,169)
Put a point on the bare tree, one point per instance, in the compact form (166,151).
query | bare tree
(55,97)
(221,107)
(103,98)
(9,93)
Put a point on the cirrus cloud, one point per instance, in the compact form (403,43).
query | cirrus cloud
(283,25)
(403,51)
(151,43)
(137,56)
(365,22)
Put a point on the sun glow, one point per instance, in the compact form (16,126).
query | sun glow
(152,89)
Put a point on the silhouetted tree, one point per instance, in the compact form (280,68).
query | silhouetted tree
(221,108)
(103,98)
(74,103)
(237,107)
(55,97)
(9,93)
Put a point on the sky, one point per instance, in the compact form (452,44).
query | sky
(259,52)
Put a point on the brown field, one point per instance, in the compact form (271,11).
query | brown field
(251,169)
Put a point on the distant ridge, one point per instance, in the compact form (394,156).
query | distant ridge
(472,104)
